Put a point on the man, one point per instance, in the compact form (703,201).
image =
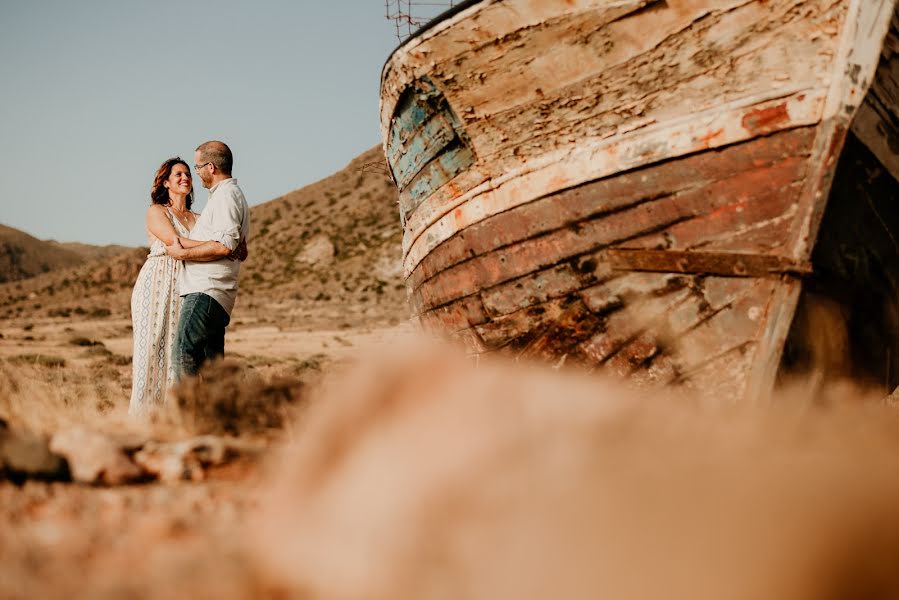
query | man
(208,285)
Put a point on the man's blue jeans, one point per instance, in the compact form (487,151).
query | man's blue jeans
(201,333)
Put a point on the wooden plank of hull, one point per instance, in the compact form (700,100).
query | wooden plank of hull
(725,182)
(663,329)
(877,122)
(441,216)
(557,295)
(426,148)
(707,338)
(639,63)
(755,165)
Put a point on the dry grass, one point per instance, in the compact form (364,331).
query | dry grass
(413,474)
(229,399)
(39,394)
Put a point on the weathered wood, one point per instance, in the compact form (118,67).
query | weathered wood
(705,263)
(722,377)
(756,225)
(735,324)
(631,320)
(551,283)
(571,166)
(426,148)
(469,339)
(775,321)
(637,190)
(560,338)
(744,171)
(639,216)
(501,331)
(412,111)
(442,169)
(514,261)
(634,355)
(465,313)
(877,122)
(858,53)
(707,56)
(434,136)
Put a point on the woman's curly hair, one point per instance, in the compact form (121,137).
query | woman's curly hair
(158,193)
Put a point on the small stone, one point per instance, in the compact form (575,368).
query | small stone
(189,459)
(94,457)
(24,455)
(388,268)
(319,250)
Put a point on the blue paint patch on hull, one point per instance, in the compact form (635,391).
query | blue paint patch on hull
(427,147)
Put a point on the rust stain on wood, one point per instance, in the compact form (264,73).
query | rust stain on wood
(766,120)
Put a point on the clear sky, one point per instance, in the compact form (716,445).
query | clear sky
(95,94)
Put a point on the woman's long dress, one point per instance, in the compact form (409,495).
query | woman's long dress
(155,307)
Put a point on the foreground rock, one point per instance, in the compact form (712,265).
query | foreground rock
(95,458)
(190,459)
(98,458)
(419,476)
(24,455)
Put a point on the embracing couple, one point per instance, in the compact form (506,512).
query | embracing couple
(185,292)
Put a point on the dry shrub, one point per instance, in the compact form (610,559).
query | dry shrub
(42,395)
(419,476)
(41,360)
(228,398)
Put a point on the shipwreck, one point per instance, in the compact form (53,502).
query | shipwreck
(668,190)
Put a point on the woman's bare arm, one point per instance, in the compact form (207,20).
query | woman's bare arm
(159,225)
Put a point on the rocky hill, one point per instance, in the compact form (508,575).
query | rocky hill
(334,243)
(90,252)
(330,250)
(23,256)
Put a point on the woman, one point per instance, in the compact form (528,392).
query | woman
(155,304)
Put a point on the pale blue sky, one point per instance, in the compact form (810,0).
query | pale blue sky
(95,94)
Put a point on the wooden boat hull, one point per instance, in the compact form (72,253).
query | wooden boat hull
(629,184)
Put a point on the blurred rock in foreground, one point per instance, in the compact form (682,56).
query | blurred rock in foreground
(420,476)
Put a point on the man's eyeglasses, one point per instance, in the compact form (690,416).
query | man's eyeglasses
(198,167)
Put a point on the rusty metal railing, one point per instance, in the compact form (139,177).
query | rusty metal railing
(409,15)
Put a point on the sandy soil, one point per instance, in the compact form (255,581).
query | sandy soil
(53,534)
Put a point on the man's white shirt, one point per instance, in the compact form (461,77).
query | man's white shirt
(226,219)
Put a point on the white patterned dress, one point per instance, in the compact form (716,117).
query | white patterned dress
(155,308)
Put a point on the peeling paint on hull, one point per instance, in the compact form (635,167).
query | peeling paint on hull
(642,183)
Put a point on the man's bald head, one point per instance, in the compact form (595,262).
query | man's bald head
(219,154)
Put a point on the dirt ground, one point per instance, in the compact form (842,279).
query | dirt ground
(411,473)
(72,540)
